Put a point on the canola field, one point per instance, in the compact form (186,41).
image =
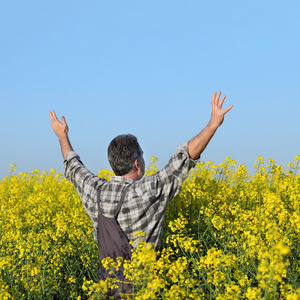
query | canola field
(228,235)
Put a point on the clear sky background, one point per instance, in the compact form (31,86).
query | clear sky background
(148,68)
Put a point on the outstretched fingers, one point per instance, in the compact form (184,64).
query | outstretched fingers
(222,101)
(228,109)
(219,103)
(215,99)
(54,119)
(63,119)
(225,111)
(53,116)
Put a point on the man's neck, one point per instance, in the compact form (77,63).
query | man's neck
(133,176)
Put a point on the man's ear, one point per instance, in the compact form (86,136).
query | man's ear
(137,164)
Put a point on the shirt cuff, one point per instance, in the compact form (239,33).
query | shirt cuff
(183,148)
(71,155)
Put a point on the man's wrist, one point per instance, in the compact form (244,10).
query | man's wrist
(65,145)
(63,137)
(213,125)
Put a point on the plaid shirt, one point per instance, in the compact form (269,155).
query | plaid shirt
(145,202)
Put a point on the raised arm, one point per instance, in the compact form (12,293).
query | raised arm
(197,145)
(61,130)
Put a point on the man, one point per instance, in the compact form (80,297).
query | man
(146,199)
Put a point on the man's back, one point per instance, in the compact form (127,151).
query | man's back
(145,201)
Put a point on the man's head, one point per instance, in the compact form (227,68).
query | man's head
(126,156)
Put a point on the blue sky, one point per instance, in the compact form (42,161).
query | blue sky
(148,68)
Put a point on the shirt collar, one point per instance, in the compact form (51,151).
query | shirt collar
(122,179)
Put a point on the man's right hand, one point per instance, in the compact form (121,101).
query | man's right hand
(197,145)
(217,113)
